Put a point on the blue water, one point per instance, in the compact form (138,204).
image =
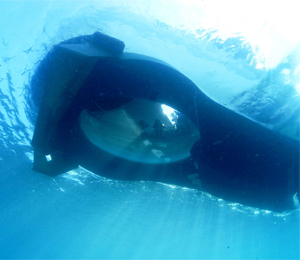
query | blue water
(81,215)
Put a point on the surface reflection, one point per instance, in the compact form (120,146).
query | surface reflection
(142,130)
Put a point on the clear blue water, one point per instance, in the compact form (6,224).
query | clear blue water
(248,62)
